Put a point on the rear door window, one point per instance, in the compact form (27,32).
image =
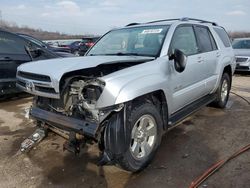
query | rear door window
(223,36)
(205,40)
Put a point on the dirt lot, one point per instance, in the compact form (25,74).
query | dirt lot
(185,152)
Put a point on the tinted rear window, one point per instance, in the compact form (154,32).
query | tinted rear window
(223,36)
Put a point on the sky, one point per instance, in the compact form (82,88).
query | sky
(99,16)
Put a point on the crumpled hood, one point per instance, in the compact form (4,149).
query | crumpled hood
(242,52)
(56,68)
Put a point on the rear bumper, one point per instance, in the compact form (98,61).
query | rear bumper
(65,123)
(8,86)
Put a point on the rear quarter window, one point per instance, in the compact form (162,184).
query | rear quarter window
(223,36)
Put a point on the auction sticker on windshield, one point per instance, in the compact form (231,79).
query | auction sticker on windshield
(151,31)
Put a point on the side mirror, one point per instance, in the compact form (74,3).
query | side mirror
(180,60)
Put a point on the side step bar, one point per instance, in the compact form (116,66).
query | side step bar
(189,109)
(65,123)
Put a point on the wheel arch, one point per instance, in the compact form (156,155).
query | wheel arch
(158,98)
(228,69)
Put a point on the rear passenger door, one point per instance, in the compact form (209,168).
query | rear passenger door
(209,53)
(12,54)
(188,85)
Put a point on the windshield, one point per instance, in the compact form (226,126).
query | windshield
(140,41)
(241,44)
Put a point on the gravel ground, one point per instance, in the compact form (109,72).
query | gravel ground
(185,153)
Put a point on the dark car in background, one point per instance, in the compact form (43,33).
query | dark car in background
(14,51)
(241,48)
(55,49)
(86,43)
(73,45)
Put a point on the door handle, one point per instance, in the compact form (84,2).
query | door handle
(218,54)
(200,60)
(5,59)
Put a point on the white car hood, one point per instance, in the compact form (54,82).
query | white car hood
(242,52)
(56,68)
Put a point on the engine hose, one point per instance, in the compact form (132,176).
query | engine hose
(216,167)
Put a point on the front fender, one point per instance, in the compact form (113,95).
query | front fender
(139,87)
(115,93)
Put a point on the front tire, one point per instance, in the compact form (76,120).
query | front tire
(144,124)
(222,93)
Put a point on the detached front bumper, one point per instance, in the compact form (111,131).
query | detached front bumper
(66,123)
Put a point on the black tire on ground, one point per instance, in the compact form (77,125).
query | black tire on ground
(222,93)
(128,161)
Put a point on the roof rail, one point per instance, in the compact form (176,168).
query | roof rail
(132,24)
(198,20)
(176,19)
(164,20)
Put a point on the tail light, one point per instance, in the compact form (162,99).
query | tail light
(89,44)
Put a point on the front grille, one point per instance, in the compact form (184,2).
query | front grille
(241,59)
(45,89)
(32,76)
(242,67)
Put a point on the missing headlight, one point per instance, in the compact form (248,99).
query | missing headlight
(91,93)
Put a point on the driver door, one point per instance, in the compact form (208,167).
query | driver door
(188,85)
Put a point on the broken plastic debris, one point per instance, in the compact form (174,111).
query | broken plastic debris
(32,140)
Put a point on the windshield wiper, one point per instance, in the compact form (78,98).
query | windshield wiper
(129,53)
(121,54)
(125,54)
(118,54)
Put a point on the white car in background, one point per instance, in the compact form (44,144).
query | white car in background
(241,48)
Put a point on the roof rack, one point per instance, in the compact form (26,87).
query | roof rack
(132,24)
(164,20)
(198,20)
(177,19)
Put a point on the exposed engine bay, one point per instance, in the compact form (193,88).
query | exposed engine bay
(78,99)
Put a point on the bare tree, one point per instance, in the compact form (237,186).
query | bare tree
(38,33)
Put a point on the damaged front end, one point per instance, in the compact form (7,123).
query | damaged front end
(78,102)
(76,117)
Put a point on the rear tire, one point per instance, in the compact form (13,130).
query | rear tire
(145,125)
(222,93)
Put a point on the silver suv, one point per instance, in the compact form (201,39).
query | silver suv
(131,86)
